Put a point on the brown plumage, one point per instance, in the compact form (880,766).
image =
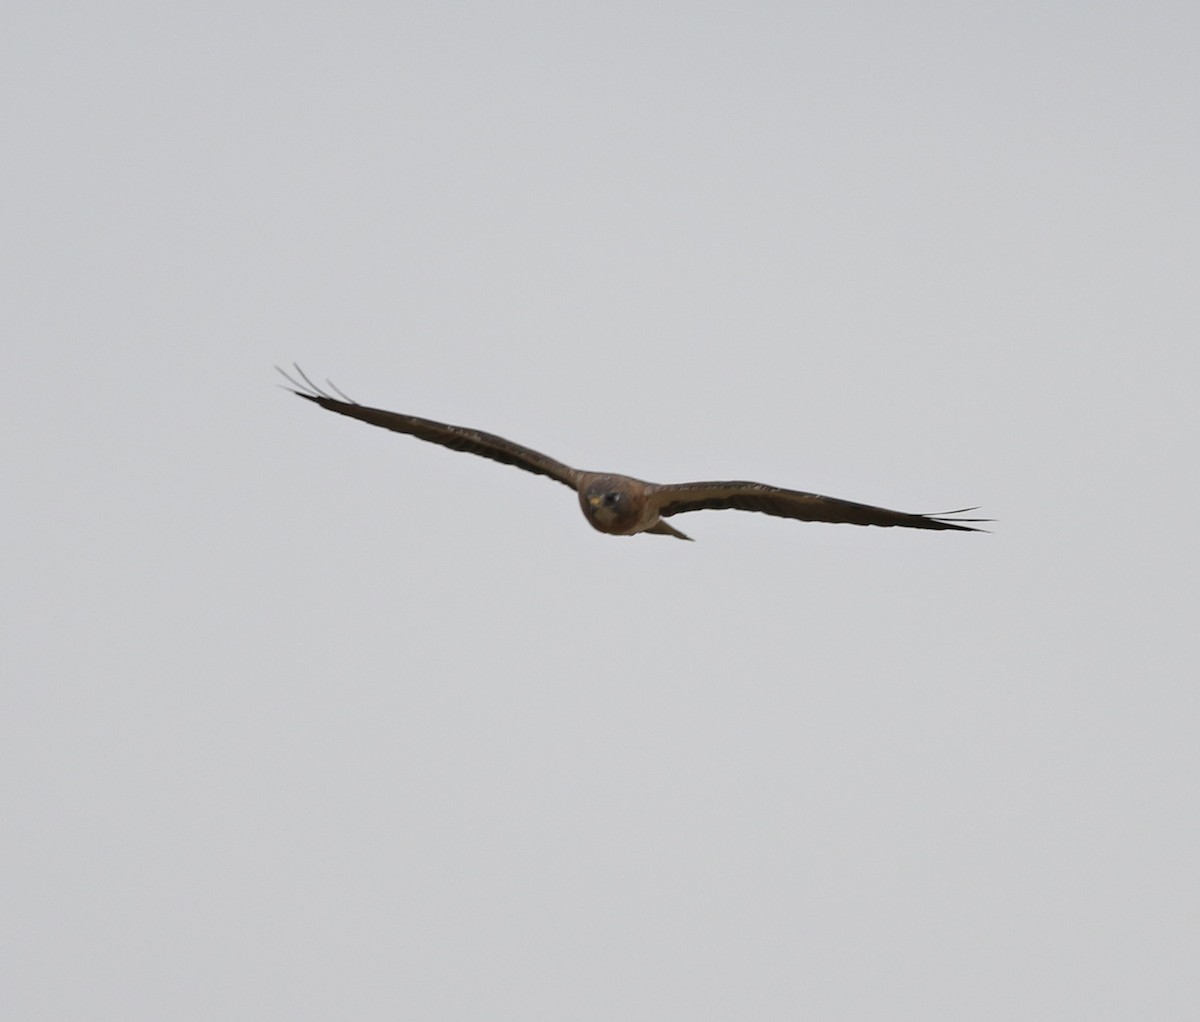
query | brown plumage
(621,505)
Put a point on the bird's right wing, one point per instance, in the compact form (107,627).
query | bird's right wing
(457,438)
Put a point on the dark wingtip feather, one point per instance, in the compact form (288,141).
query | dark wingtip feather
(305,388)
(957,524)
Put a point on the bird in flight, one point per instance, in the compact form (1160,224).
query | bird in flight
(621,505)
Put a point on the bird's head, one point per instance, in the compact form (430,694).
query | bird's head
(612,504)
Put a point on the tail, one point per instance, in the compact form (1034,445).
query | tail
(661,528)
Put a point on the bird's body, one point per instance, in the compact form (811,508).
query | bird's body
(621,505)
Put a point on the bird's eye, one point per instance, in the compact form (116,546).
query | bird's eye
(611,498)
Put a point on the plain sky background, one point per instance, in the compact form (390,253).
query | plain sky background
(305,720)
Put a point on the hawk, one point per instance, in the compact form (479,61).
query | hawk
(621,505)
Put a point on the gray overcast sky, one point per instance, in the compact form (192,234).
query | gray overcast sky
(301,719)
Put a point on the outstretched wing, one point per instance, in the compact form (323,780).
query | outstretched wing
(679,498)
(457,438)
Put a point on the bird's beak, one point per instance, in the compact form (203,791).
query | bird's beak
(595,501)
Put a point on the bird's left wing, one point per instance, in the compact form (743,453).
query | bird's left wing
(679,498)
(457,438)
